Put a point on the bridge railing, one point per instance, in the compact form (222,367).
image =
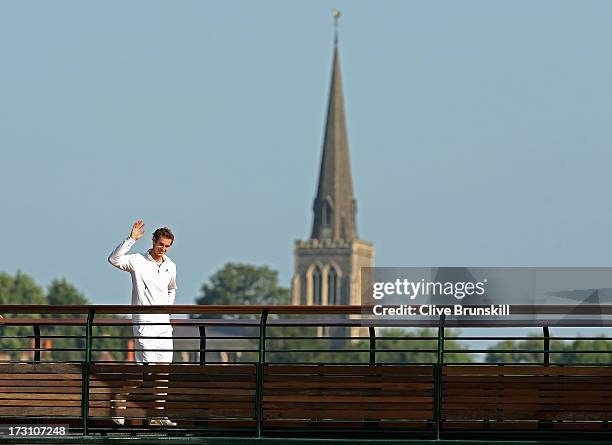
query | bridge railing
(306,370)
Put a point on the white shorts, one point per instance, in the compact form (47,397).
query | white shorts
(158,349)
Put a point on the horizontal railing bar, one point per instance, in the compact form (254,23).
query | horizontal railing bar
(585,309)
(326,322)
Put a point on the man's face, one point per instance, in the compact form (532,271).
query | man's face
(160,247)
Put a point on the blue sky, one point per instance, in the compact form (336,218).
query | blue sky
(479,132)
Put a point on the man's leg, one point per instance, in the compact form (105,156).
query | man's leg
(119,401)
(161,353)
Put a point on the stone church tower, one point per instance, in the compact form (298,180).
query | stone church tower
(328,265)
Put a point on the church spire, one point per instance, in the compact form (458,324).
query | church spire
(334,205)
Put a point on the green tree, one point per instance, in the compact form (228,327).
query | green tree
(69,341)
(18,289)
(531,350)
(400,346)
(243,284)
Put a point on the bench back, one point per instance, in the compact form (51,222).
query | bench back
(189,394)
(526,396)
(312,397)
(31,391)
(355,397)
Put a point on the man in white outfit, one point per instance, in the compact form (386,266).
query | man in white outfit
(153,283)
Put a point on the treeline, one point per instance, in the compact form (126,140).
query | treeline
(568,352)
(66,343)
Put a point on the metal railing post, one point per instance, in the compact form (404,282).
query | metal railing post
(546,345)
(202,344)
(36,343)
(438,377)
(260,371)
(86,366)
(372,345)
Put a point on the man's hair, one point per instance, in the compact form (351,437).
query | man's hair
(163,232)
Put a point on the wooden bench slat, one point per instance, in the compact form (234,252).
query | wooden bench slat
(524,415)
(41,383)
(326,398)
(201,414)
(531,380)
(41,403)
(32,396)
(33,411)
(394,386)
(57,368)
(342,370)
(509,370)
(38,376)
(194,392)
(40,389)
(346,414)
(247,369)
(364,380)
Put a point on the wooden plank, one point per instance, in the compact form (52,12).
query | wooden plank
(218,380)
(348,392)
(511,398)
(383,386)
(479,425)
(543,403)
(40,403)
(199,414)
(524,379)
(356,424)
(331,407)
(195,392)
(153,384)
(38,383)
(497,406)
(246,369)
(8,368)
(326,398)
(170,396)
(345,414)
(506,391)
(387,370)
(32,411)
(38,376)
(365,379)
(34,396)
(523,415)
(40,390)
(196,406)
(507,370)
(223,391)
(186,389)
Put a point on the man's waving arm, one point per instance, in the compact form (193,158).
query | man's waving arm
(118,257)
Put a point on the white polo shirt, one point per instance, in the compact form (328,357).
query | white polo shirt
(152,283)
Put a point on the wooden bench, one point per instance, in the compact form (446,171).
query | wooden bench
(359,397)
(211,396)
(526,397)
(314,398)
(30,392)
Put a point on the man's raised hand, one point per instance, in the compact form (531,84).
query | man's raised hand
(137,230)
